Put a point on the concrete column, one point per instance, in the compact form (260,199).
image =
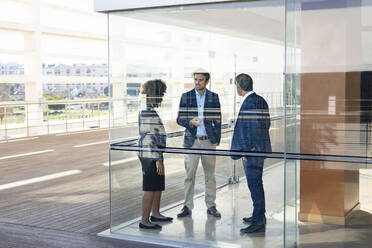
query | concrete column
(33,73)
(330,103)
(118,74)
(119,107)
(175,87)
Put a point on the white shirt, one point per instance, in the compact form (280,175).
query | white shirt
(200,101)
(246,95)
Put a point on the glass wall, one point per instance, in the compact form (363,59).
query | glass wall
(335,117)
(311,62)
(171,44)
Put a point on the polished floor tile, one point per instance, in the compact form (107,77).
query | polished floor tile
(234,203)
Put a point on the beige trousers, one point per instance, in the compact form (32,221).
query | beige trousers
(191,165)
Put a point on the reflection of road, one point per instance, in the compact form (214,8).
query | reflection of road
(48,182)
(61,181)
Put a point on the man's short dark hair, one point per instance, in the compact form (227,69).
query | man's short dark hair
(207,75)
(244,81)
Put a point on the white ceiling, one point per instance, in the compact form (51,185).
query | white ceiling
(251,20)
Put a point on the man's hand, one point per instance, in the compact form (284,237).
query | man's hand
(160,167)
(195,122)
(252,150)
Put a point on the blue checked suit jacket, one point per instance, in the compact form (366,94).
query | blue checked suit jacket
(251,132)
(188,109)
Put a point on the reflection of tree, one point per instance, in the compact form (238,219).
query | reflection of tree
(4,96)
(2,114)
(323,191)
(293,89)
(5,112)
(55,106)
(319,136)
(4,92)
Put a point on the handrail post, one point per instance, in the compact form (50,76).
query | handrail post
(47,116)
(66,117)
(125,101)
(83,116)
(27,120)
(99,115)
(5,122)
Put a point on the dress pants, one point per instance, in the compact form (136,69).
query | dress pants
(191,165)
(253,168)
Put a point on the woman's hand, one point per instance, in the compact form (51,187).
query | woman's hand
(160,167)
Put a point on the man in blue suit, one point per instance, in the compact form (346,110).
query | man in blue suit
(251,134)
(200,114)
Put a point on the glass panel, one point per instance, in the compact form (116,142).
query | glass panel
(291,122)
(18,12)
(172,44)
(334,42)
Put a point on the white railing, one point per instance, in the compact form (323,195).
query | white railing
(24,119)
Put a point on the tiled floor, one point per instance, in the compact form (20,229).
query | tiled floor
(234,203)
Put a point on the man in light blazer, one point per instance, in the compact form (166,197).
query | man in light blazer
(251,134)
(200,114)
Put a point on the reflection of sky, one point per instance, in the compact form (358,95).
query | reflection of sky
(85,5)
(6,58)
(11,40)
(73,46)
(147,31)
(52,17)
(11,11)
(66,15)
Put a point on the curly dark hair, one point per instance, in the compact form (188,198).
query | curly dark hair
(154,91)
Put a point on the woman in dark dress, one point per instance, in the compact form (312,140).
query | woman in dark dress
(152,136)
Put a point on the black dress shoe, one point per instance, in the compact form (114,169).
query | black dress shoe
(167,219)
(248,220)
(214,212)
(184,212)
(155,226)
(254,228)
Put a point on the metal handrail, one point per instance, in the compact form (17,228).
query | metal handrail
(132,145)
(48,120)
(275,155)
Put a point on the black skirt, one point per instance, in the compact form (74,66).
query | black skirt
(152,181)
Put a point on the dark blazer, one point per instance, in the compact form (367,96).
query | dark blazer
(151,134)
(252,126)
(212,116)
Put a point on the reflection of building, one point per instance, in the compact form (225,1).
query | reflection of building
(12,92)
(83,70)
(133,89)
(76,90)
(148,71)
(11,69)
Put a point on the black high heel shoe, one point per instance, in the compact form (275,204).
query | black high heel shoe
(165,219)
(155,226)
